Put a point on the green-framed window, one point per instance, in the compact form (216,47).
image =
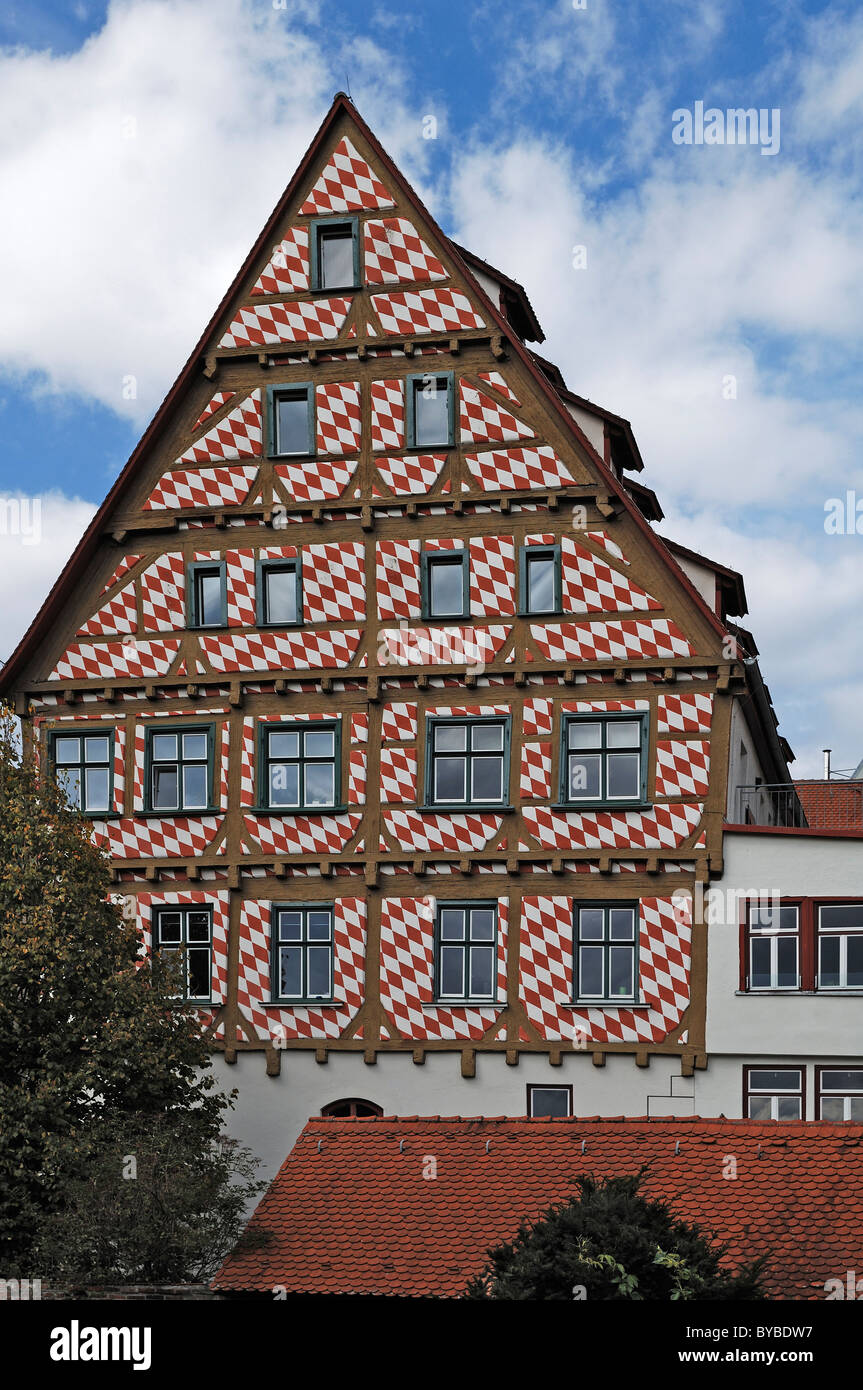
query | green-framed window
(467,761)
(279,585)
(604,759)
(605,966)
(178,768)
(445,583)
(430,410)
(300,765)
(291,420)
(189,930)
(302,952)
(207,604)
(540,588)
(83,765)
(466,952)
(335,253)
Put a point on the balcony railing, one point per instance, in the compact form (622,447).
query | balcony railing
(770,804)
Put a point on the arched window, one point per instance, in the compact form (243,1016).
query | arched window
(341,1109)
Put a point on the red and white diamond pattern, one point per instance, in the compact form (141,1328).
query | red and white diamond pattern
(662,827)
(145,902)
(334,587)
(202,487)
(388,414)
(174,837)
(626,640)
(682,767)
(359,728)
(270,651)
(240,585)
(395,253)
(483,420)
(499,383)
(536,771)
(454,834)
(101,660)
(398,775)
(397,580)
(357,777)
(411,474)
(163,591)
(685,714)
(262,324)
(492,576)
(600,538)
(118,615)
(441,646)
(288,267)
(339,420)
(215,403)
(591,586)
(123,568)
(346,185)
(407,974)
(299,1021)
(238,436)
(546,971)
(284,835)
(537,717)
(247,763)
(603,706)
(399,723)
(320,481)
(119,803)
(509,470)
(405,312)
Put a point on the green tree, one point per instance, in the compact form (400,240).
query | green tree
(100,1060)
(608,1241)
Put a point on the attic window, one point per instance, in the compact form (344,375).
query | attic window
(291,417)
(430,411)
(335,255)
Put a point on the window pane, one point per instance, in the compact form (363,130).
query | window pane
(624,771)
(583,734)
(450,738)
(320,784)
(292,424)
(280,596)
(209,587)
(854,1106)
(198,928)
(283,745)
(482,923)
(96,748)
(787,918)
(165,784)
(590,924)
(590,972)
(487,779)
(170,926)
(284,784)
(842,1080)
(760,1108)
(621,960)
(67,750)
(290,926)
(832,1108)
(621,923)
(623,733)
(487,738)
(786,952)
(96,789)
(452,970)
(452,923)
(446,588)
(431,411)
(541,597)
(164,746)
(842,915)
(788,1107)
(584,777)
(319,924)
(855,961)
(481,971)
(69,780)
(199,972)
(336,258)
(290,958)
(770,1080)
(319,743)
(828,961)
(319,971)
(194,786)
(760,963)
(544,1101)
(450,779)
(195,746)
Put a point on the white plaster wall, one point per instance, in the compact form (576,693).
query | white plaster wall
(701,578)
(591,425)
(742,772)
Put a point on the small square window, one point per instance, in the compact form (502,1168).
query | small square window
(335,254)
(606,953)
(445,583)
(839,1094)
(467,762)
(430,411)
(180,769)
(280,595)
(190,931)
(302,953)
(553,1102)
(82,767)
(299,766)
(291,420)
(466,951)
(206,587)
(773,1093)
(604,760)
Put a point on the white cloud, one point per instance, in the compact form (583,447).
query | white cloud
(37,536)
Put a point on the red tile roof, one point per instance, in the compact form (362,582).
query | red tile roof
(350,1211)
(832,805)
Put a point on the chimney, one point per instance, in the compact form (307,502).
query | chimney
(827,752)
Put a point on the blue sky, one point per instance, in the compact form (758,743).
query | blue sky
(142,145)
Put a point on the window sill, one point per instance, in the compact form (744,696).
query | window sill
(465,1004)
(339,810)
(303,1004)
(578,806)
(448,809)
(832,993)
(279,627)
(606,1004)
(99,815)
(206,627)
(551,614)
(166,815)
(428,448)
(293,458)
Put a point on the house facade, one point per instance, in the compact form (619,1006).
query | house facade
(393,711)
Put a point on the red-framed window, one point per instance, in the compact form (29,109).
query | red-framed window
(818,940)
(774,1093)
(839,1093)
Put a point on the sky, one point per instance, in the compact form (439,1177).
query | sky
(711,293)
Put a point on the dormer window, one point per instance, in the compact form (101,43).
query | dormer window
(335,255)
